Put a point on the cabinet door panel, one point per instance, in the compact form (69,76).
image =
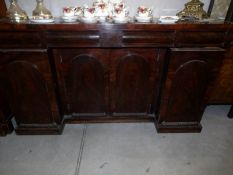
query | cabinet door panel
(85,85)
(82,77)
(27,93)
(133,81)
(184,95)
(27,82)
(187,90)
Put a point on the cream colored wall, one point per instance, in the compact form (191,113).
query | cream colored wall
(220,8)
(161,7)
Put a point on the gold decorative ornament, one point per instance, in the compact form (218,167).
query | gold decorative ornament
(41,12)
(194,8)
(15,13)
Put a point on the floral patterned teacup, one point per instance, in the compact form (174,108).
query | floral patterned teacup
(101,9)
(78,11)
(89,12)
(144,11)
(120,11)
(68,11)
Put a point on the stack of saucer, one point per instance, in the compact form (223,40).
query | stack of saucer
(69,18)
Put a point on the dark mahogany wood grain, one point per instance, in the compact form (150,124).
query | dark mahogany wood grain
(82,75)
(222,89)
(148,38)
(200,39)
(2,9)
(20,40)
(107,82)
(131,85)
(25,79)
(133,79)
(183,95)
(112,73)
(71,38)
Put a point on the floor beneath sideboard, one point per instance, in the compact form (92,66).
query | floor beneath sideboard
(123,149)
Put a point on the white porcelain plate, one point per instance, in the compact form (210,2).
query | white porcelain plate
(146,19)
(168,19)
(89,20)
(42,20)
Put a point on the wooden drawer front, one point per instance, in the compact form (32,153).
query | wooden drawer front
(76,39)
(152,39)
(20,40)
(179,56)
(199,39)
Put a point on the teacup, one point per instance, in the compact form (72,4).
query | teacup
(78,11)
(120,5)
(120,10)
(101,9)
(144,11)
(89,12)
(68,11)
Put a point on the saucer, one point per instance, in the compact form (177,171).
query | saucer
(144,19)
(69,18)
(119,20)
(89,20)
(102,19)
(168,19)
(41,20)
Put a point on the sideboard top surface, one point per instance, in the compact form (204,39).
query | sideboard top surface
(58,34)
(5,25)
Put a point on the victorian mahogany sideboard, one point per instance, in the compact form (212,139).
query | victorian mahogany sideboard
(52,74)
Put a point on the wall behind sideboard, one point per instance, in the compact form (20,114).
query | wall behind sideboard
(161,7)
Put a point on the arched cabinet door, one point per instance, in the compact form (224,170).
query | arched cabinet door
(109,84)
(184,95)
(134,81)
(83,78)
(27,82)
